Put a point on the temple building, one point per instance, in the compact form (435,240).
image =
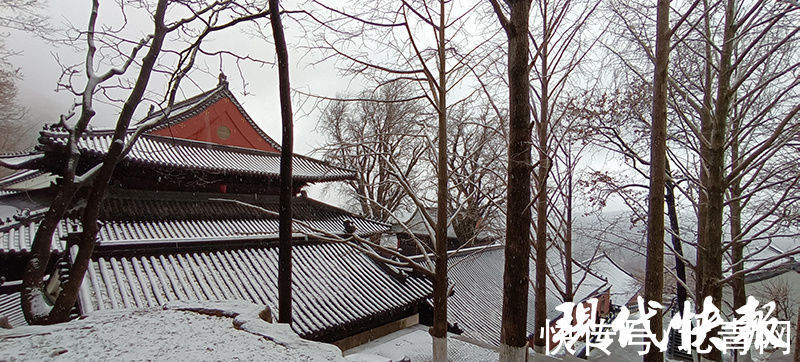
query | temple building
(191,215)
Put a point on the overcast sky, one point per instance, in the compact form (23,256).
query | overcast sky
(40,73)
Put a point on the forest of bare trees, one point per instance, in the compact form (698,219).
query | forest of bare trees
(685,91)
(515,118)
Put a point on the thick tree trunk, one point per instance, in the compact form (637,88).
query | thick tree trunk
(713,160)
(654,275)
(518,217)
(737,247)
(705,132)
(286,191)
(797,337)
(439,330)
(32,279)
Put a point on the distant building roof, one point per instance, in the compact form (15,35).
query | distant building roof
(477,306)
(606,270)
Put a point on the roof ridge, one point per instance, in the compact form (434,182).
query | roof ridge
(54,133)
(249,119)
(210,96)
(207,96)
(20,176)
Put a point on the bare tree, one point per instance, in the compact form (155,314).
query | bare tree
(25,15)
(201,21)
(475,157)
(741,103)
(729,87)
(570,140)
(12,115)
(513,336)
(560,46)
(390,123)
(21,15)
(654,273)
(616,122)
(414,41)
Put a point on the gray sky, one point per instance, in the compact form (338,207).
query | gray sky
(40,72)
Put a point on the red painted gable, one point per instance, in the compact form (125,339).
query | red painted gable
(221,123)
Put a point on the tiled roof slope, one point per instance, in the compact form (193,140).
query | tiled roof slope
(335,288)
(150,150)
(477,304)
(10,307)
(178,217)
(19,181)
(17,236)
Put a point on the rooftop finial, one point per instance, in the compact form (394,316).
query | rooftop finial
(223,80)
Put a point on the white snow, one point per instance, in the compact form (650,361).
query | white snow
(414,344)
(178,331)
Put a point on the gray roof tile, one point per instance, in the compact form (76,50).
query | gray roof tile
(334,285)
(151,150)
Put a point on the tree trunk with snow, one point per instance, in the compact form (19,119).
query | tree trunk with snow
(95,181)
(68,296)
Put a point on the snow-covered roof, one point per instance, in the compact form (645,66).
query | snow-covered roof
(477,305)
(10,306)
(144,217)
(623,285)
(152,151)
(337,291)
(25,180)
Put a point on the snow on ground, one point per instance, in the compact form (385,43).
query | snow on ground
(179,331)
(414,344)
